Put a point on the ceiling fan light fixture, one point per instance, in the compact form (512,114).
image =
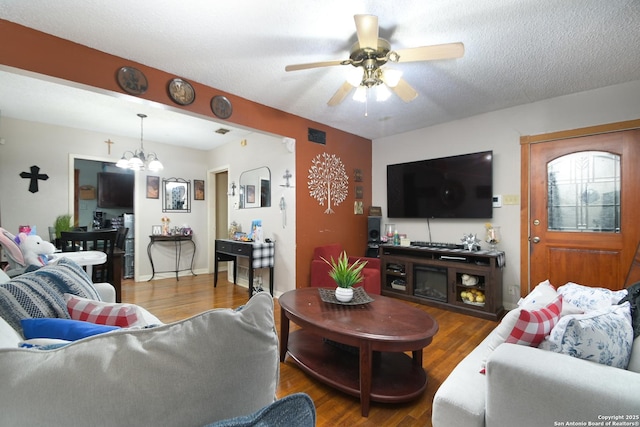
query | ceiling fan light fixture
(391,77)
(361,94)
(370,53)
(382,93)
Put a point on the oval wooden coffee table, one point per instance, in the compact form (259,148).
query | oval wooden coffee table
(358,349)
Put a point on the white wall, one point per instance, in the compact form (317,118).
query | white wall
(499,131)
(263,150)
(52,147)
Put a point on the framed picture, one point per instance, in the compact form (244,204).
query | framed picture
(357,175)
(153,187)
(251,193)
(358,208)
(359,191)
(375,211)
(156,230)
(198,187)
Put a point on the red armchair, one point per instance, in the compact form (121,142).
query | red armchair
(320,269)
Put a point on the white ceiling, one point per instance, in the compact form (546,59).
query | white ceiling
(516,52)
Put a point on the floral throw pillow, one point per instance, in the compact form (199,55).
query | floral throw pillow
(587,298)
(604,336)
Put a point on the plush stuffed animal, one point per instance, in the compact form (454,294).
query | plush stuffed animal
(34,249)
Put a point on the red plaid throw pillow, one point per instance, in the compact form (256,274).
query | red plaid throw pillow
(533,325)
(102,313)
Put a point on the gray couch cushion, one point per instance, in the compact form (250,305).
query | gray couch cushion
(219,364)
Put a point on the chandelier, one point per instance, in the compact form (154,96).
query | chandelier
(139,160)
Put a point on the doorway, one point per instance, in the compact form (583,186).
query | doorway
(218,209)
(85,207)
(578,218)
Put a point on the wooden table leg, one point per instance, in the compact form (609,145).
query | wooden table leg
(284,334)
(417,357)
(365,377)
(116,274)
(215,270)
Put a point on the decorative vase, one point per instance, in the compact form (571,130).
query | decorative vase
(493,237)
(344,294)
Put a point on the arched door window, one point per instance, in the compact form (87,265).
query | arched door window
(584,192)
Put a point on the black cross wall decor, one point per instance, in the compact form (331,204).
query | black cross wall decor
(34,176)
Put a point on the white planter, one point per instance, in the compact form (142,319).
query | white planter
(344,294)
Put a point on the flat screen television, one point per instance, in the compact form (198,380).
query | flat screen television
(115,190)
(447,187)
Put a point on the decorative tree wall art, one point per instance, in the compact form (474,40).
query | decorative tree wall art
(328,181)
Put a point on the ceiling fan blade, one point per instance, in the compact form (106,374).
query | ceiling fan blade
(405,91)
(430,53)
(296,67)
(340,94)
(367,29)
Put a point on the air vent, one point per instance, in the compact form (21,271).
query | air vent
(223,131)
(317,136)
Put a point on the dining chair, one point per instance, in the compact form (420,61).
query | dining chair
(121,236)
(103,240)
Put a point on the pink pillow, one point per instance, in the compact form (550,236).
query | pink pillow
(533,326)
(102,313)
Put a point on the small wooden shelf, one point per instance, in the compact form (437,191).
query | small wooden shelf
(395,377)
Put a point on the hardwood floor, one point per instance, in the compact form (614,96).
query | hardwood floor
(172,300)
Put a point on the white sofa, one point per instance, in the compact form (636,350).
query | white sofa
(528,386)
(219,364)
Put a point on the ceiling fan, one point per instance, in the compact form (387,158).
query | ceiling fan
(370,53)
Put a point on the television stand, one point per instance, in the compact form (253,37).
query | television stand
(468,282)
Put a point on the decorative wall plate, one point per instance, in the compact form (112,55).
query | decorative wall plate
(221,106)
(181,92)
(132,81)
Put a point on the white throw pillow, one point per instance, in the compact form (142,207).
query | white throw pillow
(540,296)
(9,337)
(587,298)
(604,336)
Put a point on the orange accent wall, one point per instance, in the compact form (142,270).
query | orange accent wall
(45,54)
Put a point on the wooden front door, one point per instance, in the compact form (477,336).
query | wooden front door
(584,212)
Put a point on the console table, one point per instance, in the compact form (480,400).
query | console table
(260,255)
(177,241)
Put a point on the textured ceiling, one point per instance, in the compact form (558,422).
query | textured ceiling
(516,52)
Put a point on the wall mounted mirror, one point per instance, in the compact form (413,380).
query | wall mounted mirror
(176,193)
(255,188)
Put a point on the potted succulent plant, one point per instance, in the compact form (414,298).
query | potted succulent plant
(345,275)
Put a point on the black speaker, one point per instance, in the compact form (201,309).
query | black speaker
(374,228)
